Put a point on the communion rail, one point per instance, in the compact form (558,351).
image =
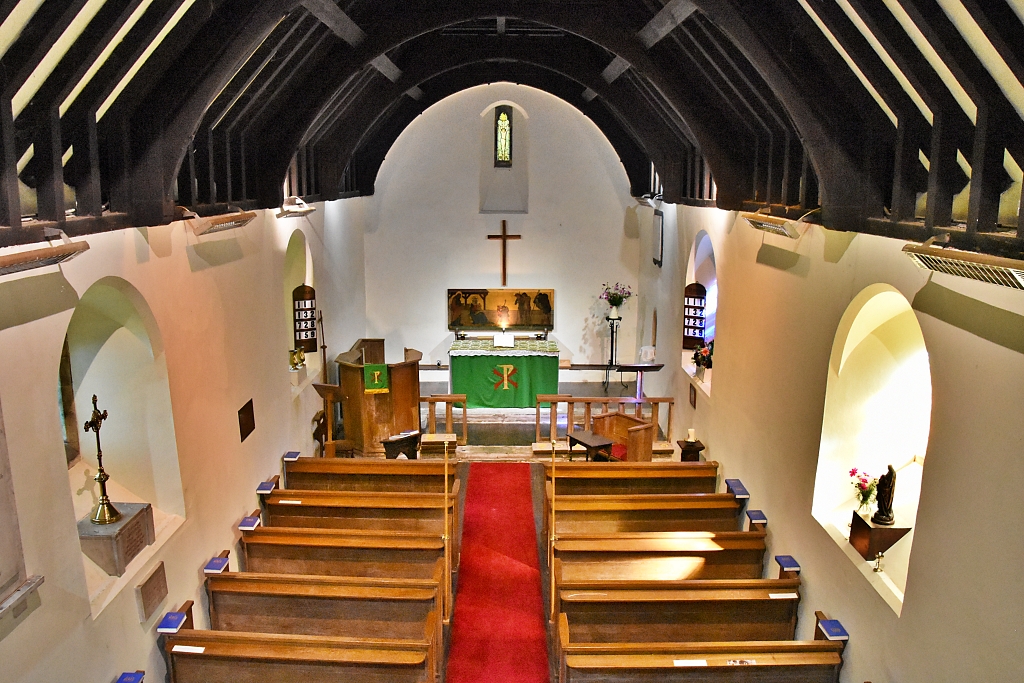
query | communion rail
(647,408)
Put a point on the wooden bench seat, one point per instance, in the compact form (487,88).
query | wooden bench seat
(618,478)
(604,514)
(704,611)
(367,474)
(322,605)
(353,553)
(203,656)
(674,555)
(579,584)
(363,510)
(327,606)
(816,661)
(766,662)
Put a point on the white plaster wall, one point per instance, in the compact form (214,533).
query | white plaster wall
(780,303)
(425,233)
(217,302)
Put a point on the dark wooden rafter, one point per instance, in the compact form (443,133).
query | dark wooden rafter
(846,199)
(998,125)
(951,129)
(912,128)
(751,93)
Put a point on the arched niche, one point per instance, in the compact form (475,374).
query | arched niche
(878,402)
(114,350)
(505,190)
(298,270)
(701,269)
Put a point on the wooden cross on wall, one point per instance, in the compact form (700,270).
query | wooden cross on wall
(504,237)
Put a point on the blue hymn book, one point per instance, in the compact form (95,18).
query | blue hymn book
(171,623)
(216,565)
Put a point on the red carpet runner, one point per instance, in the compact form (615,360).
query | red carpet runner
(498,631)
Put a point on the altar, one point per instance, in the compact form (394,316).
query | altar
(493,377)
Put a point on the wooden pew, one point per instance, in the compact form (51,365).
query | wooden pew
(368,474)
(650,576)
(816,661)
(668,556)
(202,656)
(352,553)
(327,606)
(620,478)
(606,514)
(418,512)
(702,611)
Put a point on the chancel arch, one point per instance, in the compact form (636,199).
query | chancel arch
(878,404)
(115,352)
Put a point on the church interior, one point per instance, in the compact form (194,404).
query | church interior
(376,341)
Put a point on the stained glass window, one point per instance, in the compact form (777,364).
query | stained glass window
(503,136)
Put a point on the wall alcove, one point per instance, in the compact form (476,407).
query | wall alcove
(114,350)
(878,403)
(701,270)
(298,270)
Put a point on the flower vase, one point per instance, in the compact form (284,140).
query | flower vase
(699,373)
(613,314)
(864,507)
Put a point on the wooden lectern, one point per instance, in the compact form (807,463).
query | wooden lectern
(371,417)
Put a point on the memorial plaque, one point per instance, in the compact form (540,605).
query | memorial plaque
(113,546)
(151,592)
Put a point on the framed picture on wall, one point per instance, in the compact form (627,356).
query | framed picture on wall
(659,238)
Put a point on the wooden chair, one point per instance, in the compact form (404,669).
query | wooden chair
(633,437)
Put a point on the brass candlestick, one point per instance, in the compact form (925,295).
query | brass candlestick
(104,512)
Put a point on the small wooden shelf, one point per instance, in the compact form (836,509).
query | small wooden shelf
(869,538)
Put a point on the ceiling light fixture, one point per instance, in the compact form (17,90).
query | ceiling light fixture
(981,267)
(294,206)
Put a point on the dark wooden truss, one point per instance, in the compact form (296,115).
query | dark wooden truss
(741,104)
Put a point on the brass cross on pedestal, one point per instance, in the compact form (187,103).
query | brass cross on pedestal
(504,237)
(104,512)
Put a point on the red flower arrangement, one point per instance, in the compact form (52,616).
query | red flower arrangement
(866,487)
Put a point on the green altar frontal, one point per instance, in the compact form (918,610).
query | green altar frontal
(493,377)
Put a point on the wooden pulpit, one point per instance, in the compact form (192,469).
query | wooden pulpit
(371,416)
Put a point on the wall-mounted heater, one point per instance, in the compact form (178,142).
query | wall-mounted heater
(777,225)
(294,206)
(39,258)
(228,221)
(982,267)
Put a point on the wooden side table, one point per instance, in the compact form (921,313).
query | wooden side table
(689,451)
(592,442)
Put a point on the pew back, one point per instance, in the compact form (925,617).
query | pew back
(204,656)
(606,514)
(704,612)
(367,474)
(618,478)
(672,556)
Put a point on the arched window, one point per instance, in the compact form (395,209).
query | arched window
(503,136)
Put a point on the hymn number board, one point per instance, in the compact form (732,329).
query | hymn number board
(304,317)
(695,298)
